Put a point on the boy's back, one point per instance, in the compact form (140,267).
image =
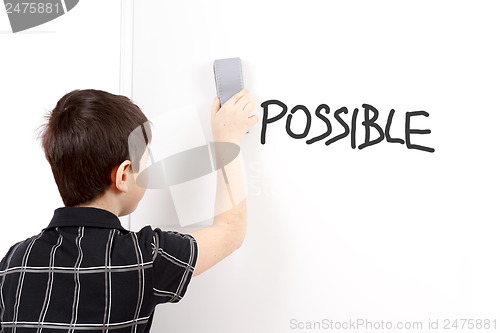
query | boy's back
(84,262)
(84,271)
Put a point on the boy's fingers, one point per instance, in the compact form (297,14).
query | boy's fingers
(215,106)
(248,108)
(236,97)
(242,102)
(253,120)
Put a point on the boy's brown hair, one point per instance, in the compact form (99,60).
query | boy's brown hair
(86,137)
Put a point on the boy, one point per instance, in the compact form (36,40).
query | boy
(85,272)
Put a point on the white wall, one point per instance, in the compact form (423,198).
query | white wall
(78,50)
(384,233)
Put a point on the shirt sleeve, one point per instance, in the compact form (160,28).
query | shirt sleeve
(174,259)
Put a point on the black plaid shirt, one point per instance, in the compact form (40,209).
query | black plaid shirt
(84,272)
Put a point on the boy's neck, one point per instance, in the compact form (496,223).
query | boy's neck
(105,201)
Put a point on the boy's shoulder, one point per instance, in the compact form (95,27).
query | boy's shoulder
(8,257)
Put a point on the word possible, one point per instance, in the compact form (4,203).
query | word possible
(370,122)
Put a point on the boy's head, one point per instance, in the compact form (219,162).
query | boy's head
(86,141)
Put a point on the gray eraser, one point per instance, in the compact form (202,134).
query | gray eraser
(228,78)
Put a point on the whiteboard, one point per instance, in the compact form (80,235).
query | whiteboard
(335,233)
(31,84)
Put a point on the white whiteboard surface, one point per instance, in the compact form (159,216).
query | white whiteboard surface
(385,233)
(38,67)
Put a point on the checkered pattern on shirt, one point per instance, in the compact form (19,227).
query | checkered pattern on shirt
(92,279)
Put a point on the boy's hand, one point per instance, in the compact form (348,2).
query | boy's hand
(231,121)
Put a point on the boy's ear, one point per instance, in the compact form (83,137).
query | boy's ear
(121,175)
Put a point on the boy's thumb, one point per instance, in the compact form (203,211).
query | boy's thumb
(215,106)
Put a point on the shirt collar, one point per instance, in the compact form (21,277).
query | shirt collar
(85,217)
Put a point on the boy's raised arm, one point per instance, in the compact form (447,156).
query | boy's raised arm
(229,124)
